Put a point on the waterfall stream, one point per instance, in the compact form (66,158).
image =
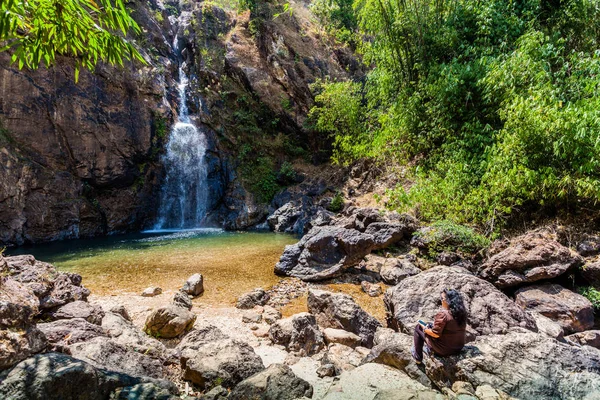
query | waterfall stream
(184,194)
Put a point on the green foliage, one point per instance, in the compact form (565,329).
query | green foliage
(592,295)
(287,173)
(495,104)
(337,16)
(160,126)
(259,175)
(36,31)
(337,203)
(448,236)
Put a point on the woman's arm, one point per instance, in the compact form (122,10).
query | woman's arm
(438,325)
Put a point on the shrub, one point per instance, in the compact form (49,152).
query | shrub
(337,203)
(592,295)
(448,236)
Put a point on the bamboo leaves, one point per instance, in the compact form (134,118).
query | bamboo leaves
(37,31)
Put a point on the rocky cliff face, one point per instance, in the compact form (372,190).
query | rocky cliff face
(80,160)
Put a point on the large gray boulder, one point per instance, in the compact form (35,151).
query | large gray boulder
(78,309)
(169,321)
(143,391)
(298,333)
(210,358)
(388,233)
(340,311)
(64,332)
(55,376)
(368,381)
(19,338)
(324,252)
(298,216)
(18,344)
(124,332)
(524,364)
(52,288)
(277,382)
(529,258)
(489,310)
(394,349)
(103,352)
(394,270)
(572,311)
(342,357)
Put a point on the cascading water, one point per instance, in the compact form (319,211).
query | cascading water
(184,193)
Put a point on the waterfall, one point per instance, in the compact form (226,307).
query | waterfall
(184,194)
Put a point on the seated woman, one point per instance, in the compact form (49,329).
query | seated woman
(447,335)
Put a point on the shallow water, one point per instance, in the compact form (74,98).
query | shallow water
(232,263)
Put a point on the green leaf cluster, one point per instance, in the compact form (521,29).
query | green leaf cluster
(37,31)
(494,105)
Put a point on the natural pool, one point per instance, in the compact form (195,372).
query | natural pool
(232,263)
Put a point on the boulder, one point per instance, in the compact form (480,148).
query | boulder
(17,344)
(37,275)
(143,391)
(529,258)
(277,382)
(182,299)
(298,216)
(388,233)
(19,338)
(257,297)
(586,338)
(125,333)
(589,246)
(64,332)
(251,316)
(342,337)
(340,311)
(548,327)
(55,376)
(216,393)
(591,273)
(103,352)
(209,357)
(18,304)
(447,258)
(369,381)
(394,349)
(324,252)
(78,309)
(489,310)
(151,291)
(572,311)
(343,358)
(298,333)
(169,321)
(194,286)
(394,270)
(271,314)
(372,289)
(121,310)
(523,364)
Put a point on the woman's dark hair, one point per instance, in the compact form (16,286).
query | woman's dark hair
(457,306)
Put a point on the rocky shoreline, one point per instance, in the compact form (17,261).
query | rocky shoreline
(529,337)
